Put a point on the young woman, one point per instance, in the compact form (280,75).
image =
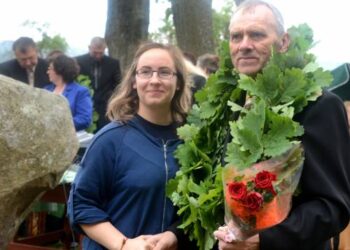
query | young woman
(118,197)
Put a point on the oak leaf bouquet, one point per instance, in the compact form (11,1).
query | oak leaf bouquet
(241,161)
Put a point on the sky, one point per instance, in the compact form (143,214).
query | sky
(80,20)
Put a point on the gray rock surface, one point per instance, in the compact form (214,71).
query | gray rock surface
(37,144)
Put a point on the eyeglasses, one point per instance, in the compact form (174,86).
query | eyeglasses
(162,73)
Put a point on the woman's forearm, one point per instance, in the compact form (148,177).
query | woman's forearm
(105,234)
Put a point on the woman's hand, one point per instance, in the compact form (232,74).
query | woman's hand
(138,243)
(163,241)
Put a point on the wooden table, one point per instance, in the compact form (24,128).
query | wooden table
(41,241)
(58,195)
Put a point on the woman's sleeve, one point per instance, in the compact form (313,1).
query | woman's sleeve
(82,116)
(90,189)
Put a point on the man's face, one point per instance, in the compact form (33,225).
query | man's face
(97,52)
(252,36)
(28,58)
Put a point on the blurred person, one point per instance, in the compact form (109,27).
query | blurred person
(104,73)
(347,107)
(62,72)
(118,197)
(196,75)
(53,54)
(209,63)
(27,67)
(321,210)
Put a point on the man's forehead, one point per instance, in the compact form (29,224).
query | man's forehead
(26,51)
(260,14)
(97,48)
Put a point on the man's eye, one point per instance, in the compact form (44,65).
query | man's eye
(235,37)
(257,35)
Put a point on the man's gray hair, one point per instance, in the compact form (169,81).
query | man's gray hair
(23,43)
(98,42)
(250,4)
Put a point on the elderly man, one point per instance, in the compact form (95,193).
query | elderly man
(104,73)
(321,210)
(27,67)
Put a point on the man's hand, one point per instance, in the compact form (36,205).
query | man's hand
(228,241)
(162,241)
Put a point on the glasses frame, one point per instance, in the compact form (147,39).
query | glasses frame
(137,72)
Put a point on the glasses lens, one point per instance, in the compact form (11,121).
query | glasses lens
(145,73)
(165,73)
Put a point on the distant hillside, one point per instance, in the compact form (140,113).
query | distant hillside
(6,50)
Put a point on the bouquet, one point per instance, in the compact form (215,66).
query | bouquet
(259,197)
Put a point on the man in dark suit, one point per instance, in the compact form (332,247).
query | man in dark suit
(27,67)
(104,73)
(322,209)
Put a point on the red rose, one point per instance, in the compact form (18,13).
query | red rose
(253,201)
(264,180)
(237,190)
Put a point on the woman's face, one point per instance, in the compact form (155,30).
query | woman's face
(53,76)
(156,80)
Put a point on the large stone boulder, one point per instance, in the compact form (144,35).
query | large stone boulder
(37,144)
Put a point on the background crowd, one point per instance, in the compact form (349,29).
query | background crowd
(59,73)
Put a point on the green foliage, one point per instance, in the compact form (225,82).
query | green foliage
(282,89)
(84,80)
(221,21)
(166,33)
(47,42)
(223,125)
(197,189)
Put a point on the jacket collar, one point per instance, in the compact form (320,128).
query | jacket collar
(134,122)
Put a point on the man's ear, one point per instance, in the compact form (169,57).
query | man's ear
(284,43)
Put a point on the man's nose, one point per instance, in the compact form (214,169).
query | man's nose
(27,62)
(246,43)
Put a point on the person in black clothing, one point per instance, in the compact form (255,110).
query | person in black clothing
(104,73)
(196,75)
(322,209)
(27,67)
(209,63)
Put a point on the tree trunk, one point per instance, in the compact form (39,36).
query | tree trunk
(193,25)
(126,27)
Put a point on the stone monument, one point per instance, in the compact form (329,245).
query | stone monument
(37,144)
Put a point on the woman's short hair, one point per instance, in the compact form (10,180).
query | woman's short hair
(66,67)
(124,102)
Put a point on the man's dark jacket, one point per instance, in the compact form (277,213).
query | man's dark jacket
(110,76)
(322,208)
(12,69)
